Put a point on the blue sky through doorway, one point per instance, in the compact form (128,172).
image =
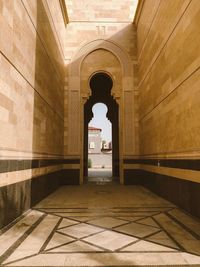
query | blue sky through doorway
(100,120)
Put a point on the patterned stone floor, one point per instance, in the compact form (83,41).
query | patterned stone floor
(102,225)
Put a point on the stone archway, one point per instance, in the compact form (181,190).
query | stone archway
(102,61)
(101,85)
(101,56)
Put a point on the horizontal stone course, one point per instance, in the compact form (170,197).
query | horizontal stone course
(17,165)
(190,164)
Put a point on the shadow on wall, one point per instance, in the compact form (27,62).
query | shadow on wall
(14,200)
(48,121)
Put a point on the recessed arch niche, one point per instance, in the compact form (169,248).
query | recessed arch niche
(106,57)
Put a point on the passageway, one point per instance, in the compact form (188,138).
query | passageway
(58,58)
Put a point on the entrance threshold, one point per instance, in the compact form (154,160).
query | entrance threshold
(99,176)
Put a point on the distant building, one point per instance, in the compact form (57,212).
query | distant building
(110,145)
(94,140)
(106,146)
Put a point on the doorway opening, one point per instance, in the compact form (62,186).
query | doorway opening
(101,85)
(99,145)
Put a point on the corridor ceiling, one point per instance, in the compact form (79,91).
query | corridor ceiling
(101,11)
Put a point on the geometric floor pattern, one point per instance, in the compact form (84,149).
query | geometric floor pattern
(112,236)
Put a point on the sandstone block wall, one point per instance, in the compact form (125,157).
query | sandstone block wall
(168,81)
(31,102)
(169,98)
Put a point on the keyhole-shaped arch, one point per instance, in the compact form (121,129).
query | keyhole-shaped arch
(101,85)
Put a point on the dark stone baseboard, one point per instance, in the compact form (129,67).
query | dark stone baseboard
(70,177)
(17,198)
(185,194)
(10,165)
(189,164)
(44,185)
(132,177)
(14,201)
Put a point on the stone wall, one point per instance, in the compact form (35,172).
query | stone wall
(169,99)
(31,102)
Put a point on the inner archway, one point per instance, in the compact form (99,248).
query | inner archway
(101,85)
(101,82)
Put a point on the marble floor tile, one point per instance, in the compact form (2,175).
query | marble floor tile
(33,243)
(149,222)
(41,260)
(179,233)
(8,238)
(81,218)
(131,218)
(163,239)
(77,246)
(86,197)
(136,229)
(107,259)
(58,240)
(191,259)
(80,230)
(110,240)
(107,222)
(73,214)
(66,222)
(187,220)
(145,246)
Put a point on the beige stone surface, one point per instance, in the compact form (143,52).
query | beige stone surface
(110,240)
(146,246)
(36,239)
(168,78)
(76,246)
(137,230)
(148,12)
(90,196)
(31,83)
(79,34)
(18,230)
(93,11)
(80,231)
(107,222)
(58,240)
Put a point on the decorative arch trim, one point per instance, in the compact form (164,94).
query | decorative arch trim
(92,46)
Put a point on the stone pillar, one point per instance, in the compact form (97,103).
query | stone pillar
(128,117)
(74,116)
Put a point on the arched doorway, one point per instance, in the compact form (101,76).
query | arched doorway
(102,56)
(101,85)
